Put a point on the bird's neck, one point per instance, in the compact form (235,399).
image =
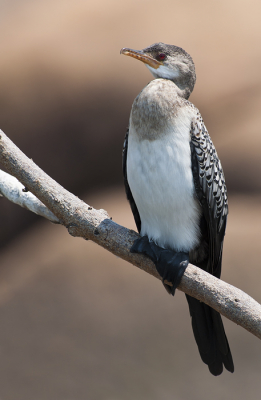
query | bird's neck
(184,85)
(182,89)
(154,109)
(184,92)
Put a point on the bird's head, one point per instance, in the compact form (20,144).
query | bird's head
(168,62)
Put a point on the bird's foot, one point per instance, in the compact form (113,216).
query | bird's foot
(170,265)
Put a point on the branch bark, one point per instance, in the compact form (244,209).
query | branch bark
(84,221)
(14,191)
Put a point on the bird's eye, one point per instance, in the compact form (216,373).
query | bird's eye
(161,57)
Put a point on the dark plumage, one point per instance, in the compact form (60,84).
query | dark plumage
(164,123)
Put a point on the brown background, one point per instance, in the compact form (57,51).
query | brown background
(76,322)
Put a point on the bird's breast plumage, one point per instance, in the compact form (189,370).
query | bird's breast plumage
(155,108)
(159,167)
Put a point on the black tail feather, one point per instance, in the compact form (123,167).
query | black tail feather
(207,324)
(210,336)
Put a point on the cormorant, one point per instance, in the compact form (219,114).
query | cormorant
(176,187)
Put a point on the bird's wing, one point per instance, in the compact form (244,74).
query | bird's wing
(211,191)
(127,188)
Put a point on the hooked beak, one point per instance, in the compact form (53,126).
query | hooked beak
(139,55)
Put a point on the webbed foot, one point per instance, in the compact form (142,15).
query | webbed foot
(170,265)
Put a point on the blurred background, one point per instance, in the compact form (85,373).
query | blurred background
(77,322)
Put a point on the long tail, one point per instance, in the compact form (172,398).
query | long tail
(210,336)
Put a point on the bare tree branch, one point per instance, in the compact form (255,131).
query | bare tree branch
(14,191)
(86,222)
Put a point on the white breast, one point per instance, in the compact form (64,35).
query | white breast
(160,178)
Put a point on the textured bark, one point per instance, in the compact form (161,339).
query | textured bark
(84,221)
(14,191)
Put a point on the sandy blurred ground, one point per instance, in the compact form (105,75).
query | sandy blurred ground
(76,322)
(79,323)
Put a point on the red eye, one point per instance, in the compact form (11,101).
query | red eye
(161,57)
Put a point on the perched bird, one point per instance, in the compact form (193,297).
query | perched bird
(176,187)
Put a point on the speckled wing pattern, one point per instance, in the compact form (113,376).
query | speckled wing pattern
(210,189)
(127,188)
